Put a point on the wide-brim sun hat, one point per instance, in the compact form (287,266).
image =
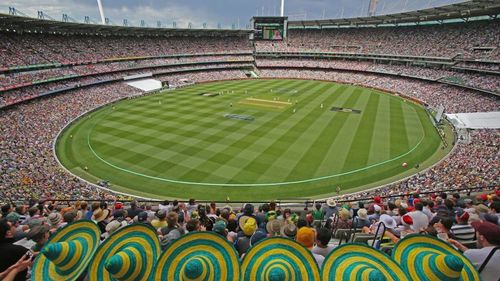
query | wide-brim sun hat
(388,221)
(330,202)
(100,215)
(68,252)
(130,253)
(242,220)
(198,256)
(355,261)
(424,257)
(274,227)
(278,258)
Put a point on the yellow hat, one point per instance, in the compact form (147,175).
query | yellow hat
(306,236)
(249,226)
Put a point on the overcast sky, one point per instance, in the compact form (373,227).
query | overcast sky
(212,12)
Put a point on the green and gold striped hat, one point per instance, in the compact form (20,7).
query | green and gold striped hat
(128,254)
(425,257)
(355,261)
(279,259)
(202,256)
(68,252)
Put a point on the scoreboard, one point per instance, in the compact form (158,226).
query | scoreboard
(270,28)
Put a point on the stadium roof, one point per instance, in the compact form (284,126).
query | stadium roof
(463,11)
(27,24)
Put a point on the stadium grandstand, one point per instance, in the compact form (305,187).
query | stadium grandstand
(89,113)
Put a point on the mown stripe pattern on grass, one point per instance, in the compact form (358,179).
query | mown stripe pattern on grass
(181,135)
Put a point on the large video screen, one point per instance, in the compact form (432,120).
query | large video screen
(269,28)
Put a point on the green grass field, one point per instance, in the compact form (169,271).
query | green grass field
(180,144)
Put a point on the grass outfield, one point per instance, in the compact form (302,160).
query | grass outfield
(179,144)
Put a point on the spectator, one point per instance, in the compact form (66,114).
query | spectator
(40,235)
(161,220)
(15,252)
(462,230)
(488,238)
(322,246)
(306,237)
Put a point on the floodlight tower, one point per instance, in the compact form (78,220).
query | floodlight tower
(372,7)
(282,8)
(101,11)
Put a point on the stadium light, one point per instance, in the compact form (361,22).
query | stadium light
(101,11)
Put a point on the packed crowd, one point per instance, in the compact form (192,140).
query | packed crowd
(18,49)
(28,168)
(29,92)
(470,224)
(12,79)
(480,81)
(468,40)
(434,94)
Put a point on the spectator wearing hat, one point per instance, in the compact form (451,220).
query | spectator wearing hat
(331,208)
(112,227)
(55,220)
(306,237)
(377,210)
(488,237)
(220,227)
(462,230)
(40,235)
(10,253)
(344,221)
(289,230)
(248,211)
(248,227)
(322,247)
(362,219)
(378,201)
(134,210)
(142,217)
(407,226)
(99,216)
(161,219)
(274,227)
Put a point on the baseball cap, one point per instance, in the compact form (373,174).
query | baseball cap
(489,230)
